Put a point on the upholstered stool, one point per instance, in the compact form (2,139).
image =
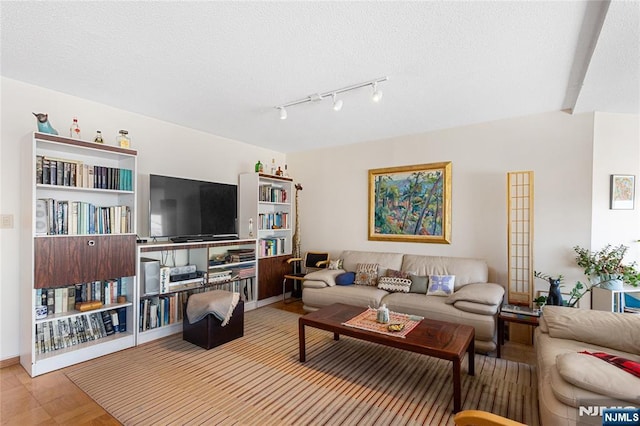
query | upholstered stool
(209,332)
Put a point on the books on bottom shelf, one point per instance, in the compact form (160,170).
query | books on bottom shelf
(520,310)
(67,332)
(159,311)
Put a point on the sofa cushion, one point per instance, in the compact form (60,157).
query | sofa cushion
(346,278)
(477,308)
(594,327)
(397,274)
(596,375)
(336,264)
(394,284)
(418,284)
(356,295)
(441,285)
(367,274)
(466,270)
(485,293)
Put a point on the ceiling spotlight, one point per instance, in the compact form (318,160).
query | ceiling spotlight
(377,94)
(337,103)
(283,113)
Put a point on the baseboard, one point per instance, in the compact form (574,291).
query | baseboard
(9,362)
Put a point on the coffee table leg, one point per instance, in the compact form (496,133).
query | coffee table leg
(303,356)
(500,335)
(336,336)
(456,385)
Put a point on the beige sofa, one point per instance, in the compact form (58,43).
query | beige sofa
(568,379)
(475,302)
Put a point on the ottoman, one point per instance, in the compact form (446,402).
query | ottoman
(209,333)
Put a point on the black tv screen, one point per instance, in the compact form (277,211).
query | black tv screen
(191,208)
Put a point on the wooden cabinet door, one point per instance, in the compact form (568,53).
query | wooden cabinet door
(61,261)
(271,271)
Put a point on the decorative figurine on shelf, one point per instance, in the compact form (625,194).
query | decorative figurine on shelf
(74,130)
(44,126)
(124,141)
(279,171)
(98,138)
(296,235)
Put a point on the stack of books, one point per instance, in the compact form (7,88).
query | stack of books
(516,311)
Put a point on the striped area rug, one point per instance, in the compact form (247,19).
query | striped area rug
(258,379)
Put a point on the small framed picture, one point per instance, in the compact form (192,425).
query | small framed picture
(623,190)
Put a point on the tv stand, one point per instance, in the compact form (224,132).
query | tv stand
(201,238)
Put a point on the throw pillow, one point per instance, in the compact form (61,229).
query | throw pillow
(440,285)
(336,264)
(346,278)
(394,284)
(418,284)
(397,274)
(367,274)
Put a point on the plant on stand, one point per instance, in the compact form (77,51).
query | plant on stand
(605,268)
(602,267)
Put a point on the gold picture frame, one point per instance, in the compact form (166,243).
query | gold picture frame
(411,203)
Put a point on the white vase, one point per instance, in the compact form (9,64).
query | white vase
(613,284)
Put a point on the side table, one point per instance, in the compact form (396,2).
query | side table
(516,318)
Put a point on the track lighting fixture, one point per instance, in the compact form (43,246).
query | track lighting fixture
(377,94)
(337,103)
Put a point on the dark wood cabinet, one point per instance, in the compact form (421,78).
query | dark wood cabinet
(271,271)
(62,261)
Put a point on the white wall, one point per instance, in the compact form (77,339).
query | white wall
(556,146)
(616,151)
(163,148)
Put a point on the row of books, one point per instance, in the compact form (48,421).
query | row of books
(72,173)
(158,311)
(78,218)
(67,332)
(277,220)
(64,299)
(272,194)
(272,246)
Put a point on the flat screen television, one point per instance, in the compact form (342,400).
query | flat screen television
(187,209)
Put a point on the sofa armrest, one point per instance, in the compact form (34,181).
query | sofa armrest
(482,293)
(323,276)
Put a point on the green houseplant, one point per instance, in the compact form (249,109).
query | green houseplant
(605,267)
(602,267)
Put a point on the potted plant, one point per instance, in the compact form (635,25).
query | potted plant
(605,267)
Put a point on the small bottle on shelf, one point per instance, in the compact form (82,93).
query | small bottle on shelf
(273,166)
(74,130)
(258,167)
(123,139)
(98,138)
(286,172)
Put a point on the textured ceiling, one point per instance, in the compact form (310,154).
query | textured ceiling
(221,67)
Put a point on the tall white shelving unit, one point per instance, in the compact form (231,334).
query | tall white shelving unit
(60,258)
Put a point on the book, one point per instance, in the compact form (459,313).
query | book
(520,310)
(108,323)
(122,319)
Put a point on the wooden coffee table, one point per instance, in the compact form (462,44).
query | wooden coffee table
(438,339)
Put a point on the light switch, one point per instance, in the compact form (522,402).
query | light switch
(6,221)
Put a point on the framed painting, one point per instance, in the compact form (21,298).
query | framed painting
(622,192)
(411,203)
